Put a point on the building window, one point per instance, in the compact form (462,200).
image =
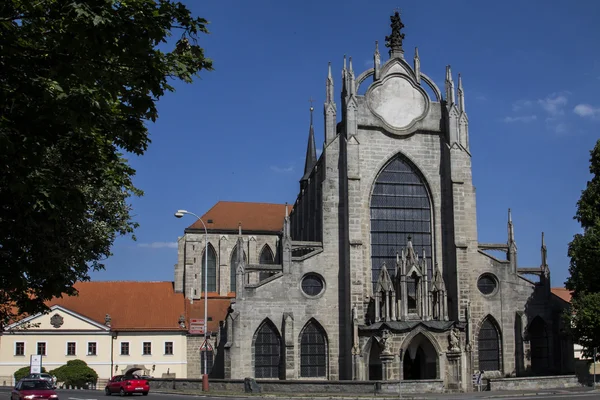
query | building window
(147,348)
(209,356)
(41,348)
(313,351)
(312,285)
(400,208)
(19,348)
(486,284)
(71,348)
(169,348)
(267,352)
(489,346)
(212,268)
(266,258)
(124,348)
(91,348)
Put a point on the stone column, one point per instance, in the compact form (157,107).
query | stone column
(394,306)
(377,307)
(453,370)
(386,366)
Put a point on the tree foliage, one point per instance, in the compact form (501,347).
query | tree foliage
(23,372)
(79,81)
(584,251)
(75,373)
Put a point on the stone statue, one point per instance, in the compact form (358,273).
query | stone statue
(394,41)
(454,340)
(385,335)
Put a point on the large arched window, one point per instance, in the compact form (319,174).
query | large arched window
(489,346)
(267,351)
(266,257)
(212,268)
(234,265)
(538,339)
(400,207)
(313,351)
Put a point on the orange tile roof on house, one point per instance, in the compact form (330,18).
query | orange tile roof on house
(227,215)
(563,293)
(131,305)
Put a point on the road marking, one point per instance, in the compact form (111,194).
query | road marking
(77,398)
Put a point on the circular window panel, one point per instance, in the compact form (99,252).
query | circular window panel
(487,284)
(312,284)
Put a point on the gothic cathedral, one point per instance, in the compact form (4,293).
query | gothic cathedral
(376,272)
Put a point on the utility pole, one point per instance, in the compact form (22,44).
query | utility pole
(595,357)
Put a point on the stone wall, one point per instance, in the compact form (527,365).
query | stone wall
(304,386)
(539,382)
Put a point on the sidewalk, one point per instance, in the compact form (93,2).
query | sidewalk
(390,396)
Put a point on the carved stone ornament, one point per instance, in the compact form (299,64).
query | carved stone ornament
(394,41)
(454,340)
(57,321)
(398,103)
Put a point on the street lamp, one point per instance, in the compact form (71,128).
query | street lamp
(179,214)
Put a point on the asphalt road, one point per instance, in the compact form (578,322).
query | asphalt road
(524,395)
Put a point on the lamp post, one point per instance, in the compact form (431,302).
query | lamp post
(179,214)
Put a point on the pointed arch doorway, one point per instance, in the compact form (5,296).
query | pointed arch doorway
(420,359)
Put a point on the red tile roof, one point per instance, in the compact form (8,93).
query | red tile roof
(564,294)
(139,306)
(226,215)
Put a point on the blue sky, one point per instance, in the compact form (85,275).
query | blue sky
(531,73)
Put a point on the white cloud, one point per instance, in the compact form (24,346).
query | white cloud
(282,169)
(524,118)
(554,104)
(586,110)
(560,128)
(521,104)
(159,245)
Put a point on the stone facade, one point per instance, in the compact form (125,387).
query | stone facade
(380,274)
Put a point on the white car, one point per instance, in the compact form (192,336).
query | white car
(42,376)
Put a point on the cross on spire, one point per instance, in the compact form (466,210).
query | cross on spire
(310,100)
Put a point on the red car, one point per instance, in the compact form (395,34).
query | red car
(127,384)
(33,389)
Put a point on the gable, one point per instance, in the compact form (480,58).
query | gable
(56,320)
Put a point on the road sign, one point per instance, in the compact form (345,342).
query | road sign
(206,347)
(196,326)
(35,364)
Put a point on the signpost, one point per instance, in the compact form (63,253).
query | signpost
(196,326)
(35,364)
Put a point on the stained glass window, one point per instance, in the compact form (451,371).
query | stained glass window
(266,257)
(212,269)
(267,352)
(486,284)
(400,207)
(313,351)
(489,346)
(312,284)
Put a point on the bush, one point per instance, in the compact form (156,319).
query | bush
(75,373)
(23,372)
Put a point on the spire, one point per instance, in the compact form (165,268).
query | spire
(311,150)
(461,95)
(544,252)
(417,63)
(239,229)
(394,41)
(350,77)
(511,232)
(449,86)
(329,93)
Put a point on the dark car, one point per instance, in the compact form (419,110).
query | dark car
(33,388)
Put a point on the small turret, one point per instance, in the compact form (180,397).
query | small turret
(450,100)
(417,65)
(376,61)
(461,96)
(329,108)
(311,150)
(512,245)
